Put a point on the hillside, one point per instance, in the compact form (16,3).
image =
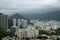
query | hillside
(17,16)
(54,15)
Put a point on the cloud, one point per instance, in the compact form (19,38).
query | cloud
(25,5)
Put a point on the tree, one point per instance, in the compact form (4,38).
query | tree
(42,32)
(10,23)
(58,31)
(3,33)
(52,33)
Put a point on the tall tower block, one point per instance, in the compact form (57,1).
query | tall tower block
(19,22)
(14,22)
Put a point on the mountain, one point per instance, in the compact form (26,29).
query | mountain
(17,16)
(53,15)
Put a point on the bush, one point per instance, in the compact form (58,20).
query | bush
(3,33)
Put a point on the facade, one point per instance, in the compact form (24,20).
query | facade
(3,21)
(14,27)
(24,23)
(14,22)
(32,32)
(21,33)
(29,32)
(47,25)
(20,23)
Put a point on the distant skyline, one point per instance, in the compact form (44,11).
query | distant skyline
(21,6)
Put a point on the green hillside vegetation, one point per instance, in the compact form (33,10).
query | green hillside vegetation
(3,33)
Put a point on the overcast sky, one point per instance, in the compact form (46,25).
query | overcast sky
(13,6)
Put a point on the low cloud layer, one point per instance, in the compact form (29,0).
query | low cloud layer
(12,6)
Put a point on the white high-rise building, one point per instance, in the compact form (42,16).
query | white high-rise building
(31,32)
(24,23)
(22,20)
(14,22)
(19,22)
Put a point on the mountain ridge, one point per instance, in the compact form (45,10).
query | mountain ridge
(54,15)
(17,16)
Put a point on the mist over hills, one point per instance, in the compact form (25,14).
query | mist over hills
(53,15)
(17,16)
